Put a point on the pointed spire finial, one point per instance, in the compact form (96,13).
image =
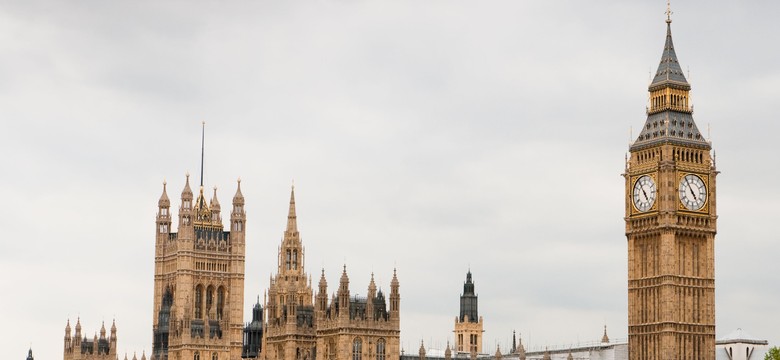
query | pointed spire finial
(668,12)
(292,218)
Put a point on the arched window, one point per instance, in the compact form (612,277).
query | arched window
(214,356)
(295,259)
(357,349)
(288,259)
(199,302)
(196,356)
(380,349)
(220,302)
(209,299)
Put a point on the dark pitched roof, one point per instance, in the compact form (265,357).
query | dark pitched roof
(669,70)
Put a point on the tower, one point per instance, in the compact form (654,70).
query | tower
(468,325)
(290,332)
(670,225)
(198,279)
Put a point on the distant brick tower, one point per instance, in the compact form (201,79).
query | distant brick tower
(671,223)
(199,279)
(468,326)
(97,348)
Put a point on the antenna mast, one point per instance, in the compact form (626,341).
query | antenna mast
(202,144)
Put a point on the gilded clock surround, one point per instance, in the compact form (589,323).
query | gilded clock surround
(705,180)
(634,180)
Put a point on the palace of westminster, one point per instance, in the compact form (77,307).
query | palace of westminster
(670,218)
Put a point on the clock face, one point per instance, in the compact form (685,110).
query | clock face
(644,193)
(693,192)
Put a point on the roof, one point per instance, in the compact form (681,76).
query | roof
(670,126)
(741,336)
(669,70)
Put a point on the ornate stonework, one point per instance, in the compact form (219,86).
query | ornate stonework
(671,223)
(199,279)
(300,326)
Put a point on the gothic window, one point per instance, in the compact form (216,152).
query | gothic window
(199,302)
(196,356)
(164,211)
(380,349)
(214,356)
(357,349)
(295,259)
(220,302)
(287,263)
(209,299)
(186,203)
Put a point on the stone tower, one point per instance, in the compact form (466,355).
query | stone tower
(198,279)
(290,332)
(670,225)
(301,326)
(468,326)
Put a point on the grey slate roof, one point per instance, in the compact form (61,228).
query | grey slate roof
(670,127)
(669,70)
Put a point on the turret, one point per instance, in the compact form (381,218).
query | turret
(371,298)
(343,293)
(103,331)
(605,338)
(322,297)
(77,334)
(498,353)
(163,214)
(520,350)
(448,352)
(237,215)
(112,338)
(422,350)
(215,208)
(185,211)
(67,339)
(395,298)
(29,355)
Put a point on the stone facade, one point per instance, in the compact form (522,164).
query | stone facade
(300,326)
(468,325)
(97,348)
(199,279)
(670,226)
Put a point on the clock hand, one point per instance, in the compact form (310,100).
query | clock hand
(647,198)
(691,189)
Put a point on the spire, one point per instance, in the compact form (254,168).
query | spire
(214,205)
(448,352)
(514,342)
(103,330)
(78,326)
(498,352)
(186,191)
(164,201)
(30,355)
(292,219)
(571,356)
(605,338)
(422,350)
(669,111)
(67,328)
(323,283)
(238,198)
(669,70)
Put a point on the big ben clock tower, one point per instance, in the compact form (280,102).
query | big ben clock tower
(671,223)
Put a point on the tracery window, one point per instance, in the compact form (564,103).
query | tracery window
(380,349)
(220,302)
(196,356)
(199,302)
(357,349)
(209,299)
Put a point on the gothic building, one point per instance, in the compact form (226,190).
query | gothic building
(468,326)
(670,225)
(198,279)
(97,348)
(302,326)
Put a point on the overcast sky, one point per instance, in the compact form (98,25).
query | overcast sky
(431,136)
